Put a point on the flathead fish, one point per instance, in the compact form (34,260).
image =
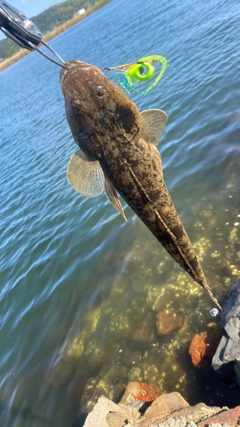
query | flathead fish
(117,153)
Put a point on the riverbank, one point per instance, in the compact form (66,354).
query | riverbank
(52,34)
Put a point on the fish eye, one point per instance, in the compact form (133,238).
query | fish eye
(99,91)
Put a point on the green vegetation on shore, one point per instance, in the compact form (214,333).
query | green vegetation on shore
(51,23)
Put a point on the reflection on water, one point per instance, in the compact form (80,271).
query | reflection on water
(80,288)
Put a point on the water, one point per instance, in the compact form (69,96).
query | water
(80,288)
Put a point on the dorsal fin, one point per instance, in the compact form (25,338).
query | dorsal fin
(154,122)
(85,175)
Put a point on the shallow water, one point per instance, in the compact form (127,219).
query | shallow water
(80,288)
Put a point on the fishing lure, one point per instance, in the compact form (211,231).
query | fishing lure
(142,71)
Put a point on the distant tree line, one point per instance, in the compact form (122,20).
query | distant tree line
(47,21)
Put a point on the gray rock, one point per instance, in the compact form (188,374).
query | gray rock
(175,422)
(183,422)
(98,415)
(124,416)
(219,425)
(227,356)
(198,412)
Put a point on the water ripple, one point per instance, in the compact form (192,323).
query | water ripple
(77,282)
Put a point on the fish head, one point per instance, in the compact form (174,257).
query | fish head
(95,106)
(84,85)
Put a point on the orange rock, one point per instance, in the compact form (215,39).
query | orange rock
(198,348)
(203,347)
(140,391)
(168,322)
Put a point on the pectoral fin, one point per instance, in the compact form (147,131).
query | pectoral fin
(87,178)
(154,122)
(113,197)
(85,175)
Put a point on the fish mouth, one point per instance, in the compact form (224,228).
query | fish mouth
(72,66)
(69,65)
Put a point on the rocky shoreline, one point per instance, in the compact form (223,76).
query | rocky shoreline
(144,405)
(167,410)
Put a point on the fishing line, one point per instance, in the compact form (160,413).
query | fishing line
(112,106)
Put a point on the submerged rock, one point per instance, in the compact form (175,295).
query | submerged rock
(136,391)
(203,347)
(144,335)
(107,384)
(198,348)
(168,322)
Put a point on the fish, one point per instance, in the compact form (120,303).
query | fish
(117,154)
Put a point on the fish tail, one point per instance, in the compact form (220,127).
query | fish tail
(208,289)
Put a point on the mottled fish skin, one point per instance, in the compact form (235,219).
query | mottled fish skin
(107,127)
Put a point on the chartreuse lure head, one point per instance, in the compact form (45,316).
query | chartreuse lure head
(137,75)
(142,72)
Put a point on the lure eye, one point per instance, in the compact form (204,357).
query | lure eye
(100,92)
(141,72)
